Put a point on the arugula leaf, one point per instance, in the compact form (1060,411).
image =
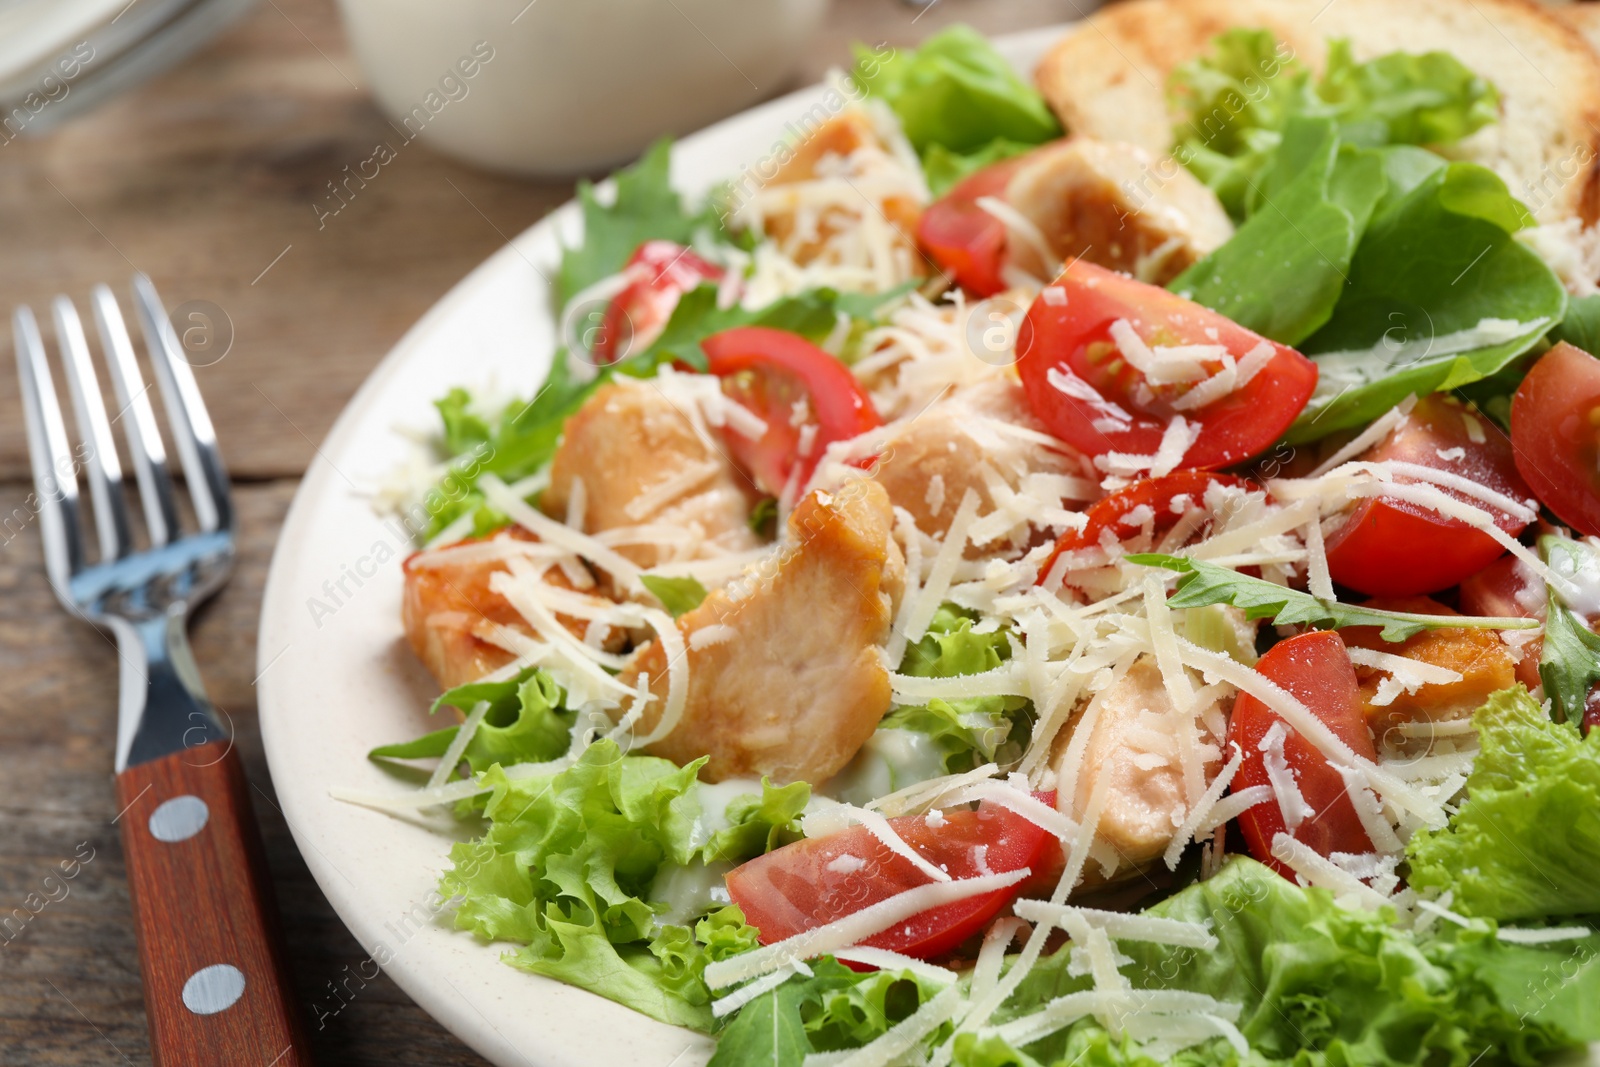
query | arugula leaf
(677,595)
(1204,584)
(464,428)
(764,516)
(974,730)
(1581,327)
(957,91)
(1569,665)
(645,208)
(1440,294)
(759,823)
(526,434)
(1284,270)
(832,1010)
(944,167)
(525,723)
(1526,843)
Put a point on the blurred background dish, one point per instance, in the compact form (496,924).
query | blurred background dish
(61,57)
(571,86)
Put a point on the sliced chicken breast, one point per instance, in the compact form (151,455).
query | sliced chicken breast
(786,675)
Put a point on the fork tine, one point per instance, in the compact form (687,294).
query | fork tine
(144,438)
(55,478)
(104,469)
(186,410)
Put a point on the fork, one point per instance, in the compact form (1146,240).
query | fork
(215,982)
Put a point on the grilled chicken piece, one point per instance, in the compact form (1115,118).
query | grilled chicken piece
(1117,205)
(1144,804)
(642,461)
(963,443)
(449,611)
(1479,656)
(785,674)
(846,147)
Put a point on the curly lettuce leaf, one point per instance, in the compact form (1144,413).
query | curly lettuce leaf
(1236,101)
(1526,843)
(526,723)
(944,167)
(956,91)
(1317,984)
(565,869)
(834,1009)
(759,822)
(966,732)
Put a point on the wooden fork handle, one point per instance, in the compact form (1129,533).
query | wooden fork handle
(216,987)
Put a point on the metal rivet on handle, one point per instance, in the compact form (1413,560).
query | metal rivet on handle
(213,989)
(179,819)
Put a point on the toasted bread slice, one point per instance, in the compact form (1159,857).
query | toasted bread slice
(1108,77)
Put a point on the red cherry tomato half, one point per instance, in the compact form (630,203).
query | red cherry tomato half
(1391,547)
(1087,394)
(659,273)
(1315,668)
(1555,428)
(1159,495)
(1506,589)
(774,374)
(813,882)
(966,241)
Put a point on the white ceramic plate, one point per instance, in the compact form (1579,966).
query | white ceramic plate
(337,677)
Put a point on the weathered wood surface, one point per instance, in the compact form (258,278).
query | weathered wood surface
(202,179)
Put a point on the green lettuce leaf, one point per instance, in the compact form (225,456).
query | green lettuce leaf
(1434,263)
(1526,843)
(1284,271)
(645,207)
(759,823)
(957,91)
(677,595)
(564,870)
(526,723)
(975,730)
(1569,663)
(944,167)
(525,435)
(834,1009)
(1581,327)
(1318,984)
(1236,101)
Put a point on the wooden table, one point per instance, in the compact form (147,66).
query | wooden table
(206,179)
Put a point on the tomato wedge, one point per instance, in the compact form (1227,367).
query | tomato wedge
(966,241)
(1555,429)
(1316,669)
(1085,391)
(813,882)
(776,374)
(1391,547)
(1163,501)
(659,273)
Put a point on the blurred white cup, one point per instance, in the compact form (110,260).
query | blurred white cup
(558,87)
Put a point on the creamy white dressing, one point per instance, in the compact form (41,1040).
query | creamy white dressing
(689,892)
(891,759)
(714,799)
(1581,567)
